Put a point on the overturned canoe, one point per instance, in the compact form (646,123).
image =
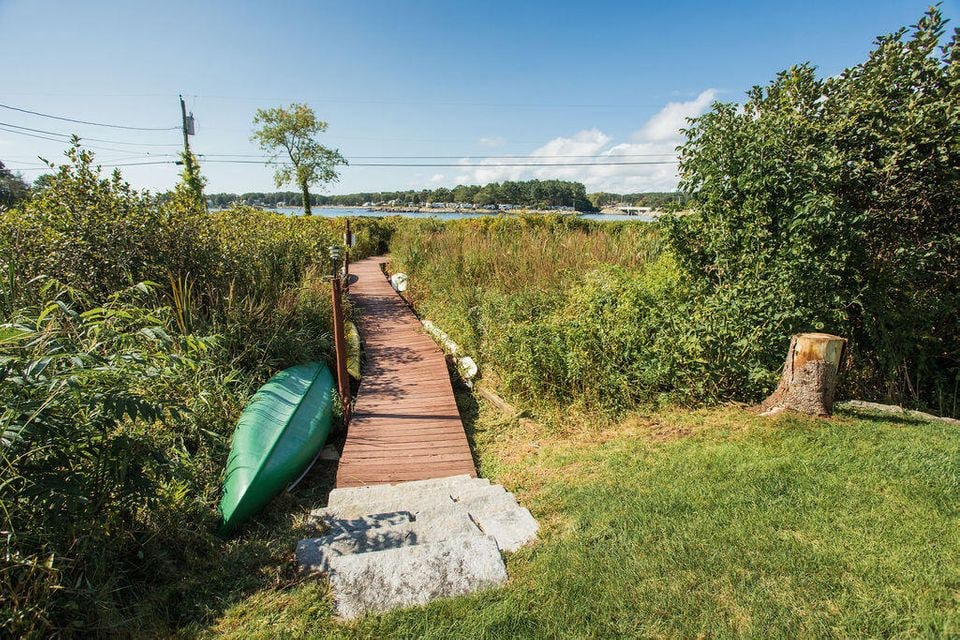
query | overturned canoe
(279,433)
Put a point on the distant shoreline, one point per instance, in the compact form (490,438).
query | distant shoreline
(449,213)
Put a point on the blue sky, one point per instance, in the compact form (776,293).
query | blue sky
(459,79)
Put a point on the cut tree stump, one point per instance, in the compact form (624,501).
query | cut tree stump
(809,375)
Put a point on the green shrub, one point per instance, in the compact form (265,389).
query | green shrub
(835,205)
(110,443)
(133,331)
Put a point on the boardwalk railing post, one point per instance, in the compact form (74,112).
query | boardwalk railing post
(347,242)
(339,339)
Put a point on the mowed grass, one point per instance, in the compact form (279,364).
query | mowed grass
(713,523)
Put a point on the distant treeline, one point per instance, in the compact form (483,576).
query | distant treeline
(652,199)
(535,194)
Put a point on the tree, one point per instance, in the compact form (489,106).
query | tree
(441,194)
(292,132)
(487,194)
(13,189)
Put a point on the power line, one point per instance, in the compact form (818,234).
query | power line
(364,157)
(441,103)
(95,124)
(31,135)
(69,135)
(479,164)
(511,164)
(522,156)
(543,165)
(465,156)
(104,165)
(89,146)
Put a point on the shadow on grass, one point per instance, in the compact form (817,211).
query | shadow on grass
(867,415)
(469,413)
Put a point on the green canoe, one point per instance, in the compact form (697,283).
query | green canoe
(279,433)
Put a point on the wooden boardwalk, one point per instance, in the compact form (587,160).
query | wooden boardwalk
(405,423)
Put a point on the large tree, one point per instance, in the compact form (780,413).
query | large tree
(292,132)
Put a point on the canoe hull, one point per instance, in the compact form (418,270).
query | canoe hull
(279,433)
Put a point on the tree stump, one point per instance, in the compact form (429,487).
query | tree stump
(809,375)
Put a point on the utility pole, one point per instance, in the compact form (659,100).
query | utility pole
(187,126)
(192,171)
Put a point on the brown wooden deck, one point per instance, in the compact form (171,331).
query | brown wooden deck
(405,423)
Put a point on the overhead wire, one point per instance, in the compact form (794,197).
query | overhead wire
(466,160)
(68,135)
(3,127)
(464,156)
(87,122)
(467,164)
(414,165)
(104,165)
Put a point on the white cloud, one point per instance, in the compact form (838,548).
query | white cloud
(493,141)
(653,143)
(436,178)
(666,123)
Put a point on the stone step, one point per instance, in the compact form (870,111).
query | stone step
(414,575)
(414,500)
(374,494)
(435,525)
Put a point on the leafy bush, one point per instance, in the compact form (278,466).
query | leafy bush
(111,440)
(835,204)
(134,329)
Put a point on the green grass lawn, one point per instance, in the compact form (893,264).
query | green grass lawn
(712,523)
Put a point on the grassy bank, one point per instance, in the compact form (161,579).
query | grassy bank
(693,523)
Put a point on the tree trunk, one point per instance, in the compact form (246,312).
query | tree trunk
(306,199)
(809,375)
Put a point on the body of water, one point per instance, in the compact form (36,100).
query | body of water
(339,212)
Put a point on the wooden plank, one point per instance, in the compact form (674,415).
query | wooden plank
(405,425)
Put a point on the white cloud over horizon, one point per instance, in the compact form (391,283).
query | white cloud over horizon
(654,142)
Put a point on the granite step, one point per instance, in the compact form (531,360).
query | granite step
(435,525)
(414,575)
